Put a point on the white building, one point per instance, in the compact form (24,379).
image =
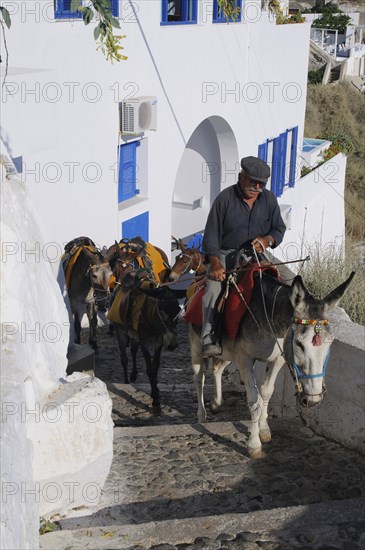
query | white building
(222,91)
(219,92)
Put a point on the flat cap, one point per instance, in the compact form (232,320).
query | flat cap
(256,169)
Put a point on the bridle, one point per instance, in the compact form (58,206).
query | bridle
(188,265)
(100,289)
(294,368)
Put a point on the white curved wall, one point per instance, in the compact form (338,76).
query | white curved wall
(57,431)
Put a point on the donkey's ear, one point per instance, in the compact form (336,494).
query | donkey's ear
(332,299)
(182,246)
(109,254)
(298,294)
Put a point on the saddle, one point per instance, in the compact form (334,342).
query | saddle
(72,252)
(229,311)
(128,300)
(148,257)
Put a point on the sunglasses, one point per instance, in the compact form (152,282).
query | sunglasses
(255,182)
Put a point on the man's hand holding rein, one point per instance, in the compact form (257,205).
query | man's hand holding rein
(216,271)
(262,243)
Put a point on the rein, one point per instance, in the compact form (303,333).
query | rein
(294,367)
(100,289)
(187,267)
(235,271)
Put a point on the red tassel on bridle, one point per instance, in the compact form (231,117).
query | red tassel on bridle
(317,325)
(317,339)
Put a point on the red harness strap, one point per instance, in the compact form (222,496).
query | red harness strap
(234,308)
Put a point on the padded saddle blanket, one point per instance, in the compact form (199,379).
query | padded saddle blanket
(234,308)
(154,262)
(129,315)
(69,259)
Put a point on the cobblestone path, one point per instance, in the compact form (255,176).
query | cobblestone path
(177,484)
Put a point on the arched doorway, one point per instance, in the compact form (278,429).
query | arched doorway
(208,164)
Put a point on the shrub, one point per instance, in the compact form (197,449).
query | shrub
(316,77)
(327,8)
(305,170)
(329,267)
(282,19)
(330,21)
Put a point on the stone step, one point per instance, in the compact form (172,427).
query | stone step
(296,526)
(80,359)
(189,472)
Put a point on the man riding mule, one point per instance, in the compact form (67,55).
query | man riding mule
(242,215)
(283,324)
(88,278)
(263,318)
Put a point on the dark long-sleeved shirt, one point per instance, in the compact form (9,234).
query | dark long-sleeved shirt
(232,224)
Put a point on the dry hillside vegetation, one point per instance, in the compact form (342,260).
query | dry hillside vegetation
(340,109)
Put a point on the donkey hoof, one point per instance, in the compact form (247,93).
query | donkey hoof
(255,453)
(265,436)
(214,407)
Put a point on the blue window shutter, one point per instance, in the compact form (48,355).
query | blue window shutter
(278,164)
(136,227)
(282,161)
(115,7)
(127,171)
(262,153)
(183,12)
(275,166)
(63,10)
(293,156)
(164,11)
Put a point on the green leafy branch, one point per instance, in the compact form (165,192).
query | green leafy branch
(107,41)
(229,9)
(281,19)
(5,15)
(5,20)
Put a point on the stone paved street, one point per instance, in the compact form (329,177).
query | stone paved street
(178,484)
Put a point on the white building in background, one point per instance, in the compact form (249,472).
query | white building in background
(214,92)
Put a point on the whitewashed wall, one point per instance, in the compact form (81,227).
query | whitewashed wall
(317,211)
(57,432)
(249,74)
(341,416)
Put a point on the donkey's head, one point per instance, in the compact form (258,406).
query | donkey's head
(99,269)
(308,340)
(168,310)
(100,275)
(169,314)
(189,259)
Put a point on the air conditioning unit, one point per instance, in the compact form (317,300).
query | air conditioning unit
(138,114)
